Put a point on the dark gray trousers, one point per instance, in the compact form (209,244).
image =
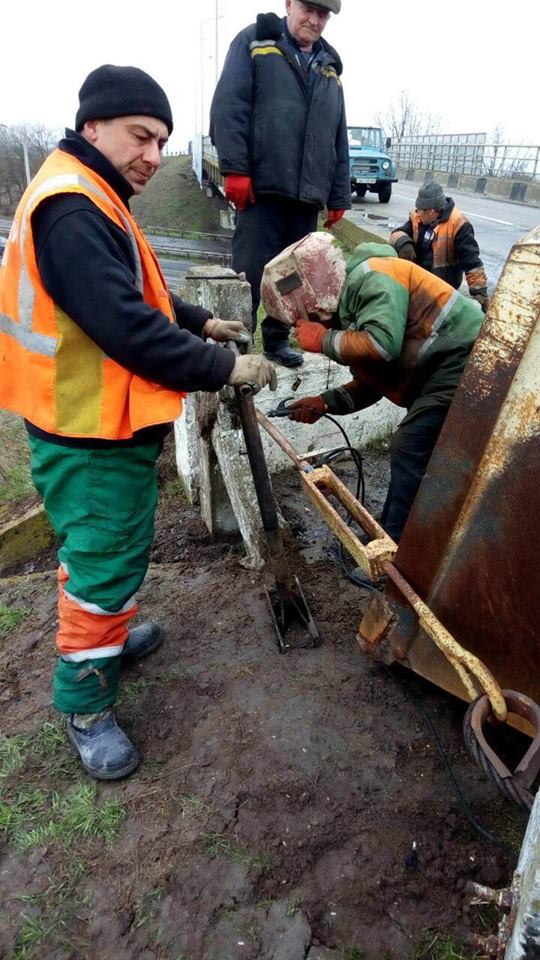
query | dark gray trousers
(262,231)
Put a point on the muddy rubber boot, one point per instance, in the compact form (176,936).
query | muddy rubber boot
(105,751)
(141,641)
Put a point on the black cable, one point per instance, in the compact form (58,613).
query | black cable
(349,574)
(505,847)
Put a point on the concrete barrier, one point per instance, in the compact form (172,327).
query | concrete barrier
(496,188)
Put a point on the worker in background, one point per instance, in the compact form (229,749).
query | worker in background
(405,334)
(440,239)
(97,356)
(278,123)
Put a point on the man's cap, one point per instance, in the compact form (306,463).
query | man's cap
(111,91)
(431,196)
(333,5)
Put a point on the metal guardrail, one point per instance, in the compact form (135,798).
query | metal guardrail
(450,154)
(185,234)
(188,253)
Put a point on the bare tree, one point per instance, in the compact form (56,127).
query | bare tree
(502,159)
(38,141)
(402,118)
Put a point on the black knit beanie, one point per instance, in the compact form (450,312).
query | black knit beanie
(431,196)
(111,91)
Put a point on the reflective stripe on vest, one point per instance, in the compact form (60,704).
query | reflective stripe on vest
(50,371)
(443,243)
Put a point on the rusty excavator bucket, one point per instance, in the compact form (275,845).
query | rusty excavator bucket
(470,544)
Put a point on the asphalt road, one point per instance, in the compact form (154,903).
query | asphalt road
(497,224)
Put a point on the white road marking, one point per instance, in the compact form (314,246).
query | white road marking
(506,223)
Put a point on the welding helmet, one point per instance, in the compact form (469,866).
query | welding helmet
(305,280)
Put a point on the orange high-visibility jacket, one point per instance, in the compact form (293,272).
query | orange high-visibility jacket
(448,263)
(51,372)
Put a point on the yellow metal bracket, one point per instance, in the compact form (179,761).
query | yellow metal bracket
(376,559)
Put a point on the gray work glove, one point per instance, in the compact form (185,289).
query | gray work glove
(255,371)
(223,330)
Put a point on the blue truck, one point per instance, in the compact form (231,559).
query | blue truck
(371,167)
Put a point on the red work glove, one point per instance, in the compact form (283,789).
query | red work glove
(238,190)
(333,217)
(310,335)
(307,410)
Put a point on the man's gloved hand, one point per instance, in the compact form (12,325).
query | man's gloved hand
(238,190)
(407,252)
(223,330)
(332,217)
(310,335)
(307,410)
(255,370)
(482,299)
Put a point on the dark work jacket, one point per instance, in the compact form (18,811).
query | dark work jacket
(280,124)
(86,264)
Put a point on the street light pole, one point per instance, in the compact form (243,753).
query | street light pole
(217,45)
(208,20)
(26,163)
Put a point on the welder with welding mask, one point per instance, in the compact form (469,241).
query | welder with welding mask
(404,333)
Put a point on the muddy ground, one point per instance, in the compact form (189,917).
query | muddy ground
(275,810)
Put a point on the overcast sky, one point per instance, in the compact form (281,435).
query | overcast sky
(464,60)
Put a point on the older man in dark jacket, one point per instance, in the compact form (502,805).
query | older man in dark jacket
(278,122)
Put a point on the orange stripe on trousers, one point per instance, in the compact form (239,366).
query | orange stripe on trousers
(81,630)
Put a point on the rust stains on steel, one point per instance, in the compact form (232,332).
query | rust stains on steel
(470,544)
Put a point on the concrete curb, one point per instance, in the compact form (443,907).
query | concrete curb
(495,188)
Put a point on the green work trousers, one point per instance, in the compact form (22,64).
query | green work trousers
(101,503)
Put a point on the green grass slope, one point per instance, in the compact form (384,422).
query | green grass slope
(174,200)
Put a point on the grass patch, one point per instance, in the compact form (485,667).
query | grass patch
(15,480)
(32,817)
(174,200)
(46,749)
(52,912)
(175,489)
(218,845)
(146,906)
(131,691)
(440,946)
(65,822)
(193,806)
(381,442)
(293,905)
(9,619)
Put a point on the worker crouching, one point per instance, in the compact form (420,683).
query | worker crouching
(404,333)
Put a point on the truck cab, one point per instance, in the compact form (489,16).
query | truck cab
(371,167)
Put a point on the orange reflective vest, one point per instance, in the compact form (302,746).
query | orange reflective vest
(51,372)
(444,254)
